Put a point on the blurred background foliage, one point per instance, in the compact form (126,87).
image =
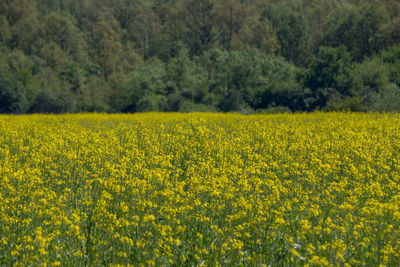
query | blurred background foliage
(247,56)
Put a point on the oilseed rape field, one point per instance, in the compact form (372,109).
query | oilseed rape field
(167,189)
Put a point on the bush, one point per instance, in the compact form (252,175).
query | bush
(274,110)
(188,106)
(90,105)
(348,103)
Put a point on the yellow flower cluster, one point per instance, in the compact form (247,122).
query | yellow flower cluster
(200,189)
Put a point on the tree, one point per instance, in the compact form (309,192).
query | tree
(374,86)
(291,29)
(47,101)
(230,18)
(329,73)
(389,34)
(391,57)
(371,76)
(172,38)
(147,80)
(249,80)
(359,29)
(106,43)
(200,22)
(12,99)
(186,82)
(143,27)
(23,69)
(366,31)
(61,31)
(259,34)
(25,34)
(5,31)
(16,10)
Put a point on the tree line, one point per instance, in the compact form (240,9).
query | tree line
(199,55)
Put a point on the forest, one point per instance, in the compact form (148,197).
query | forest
(247,56)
